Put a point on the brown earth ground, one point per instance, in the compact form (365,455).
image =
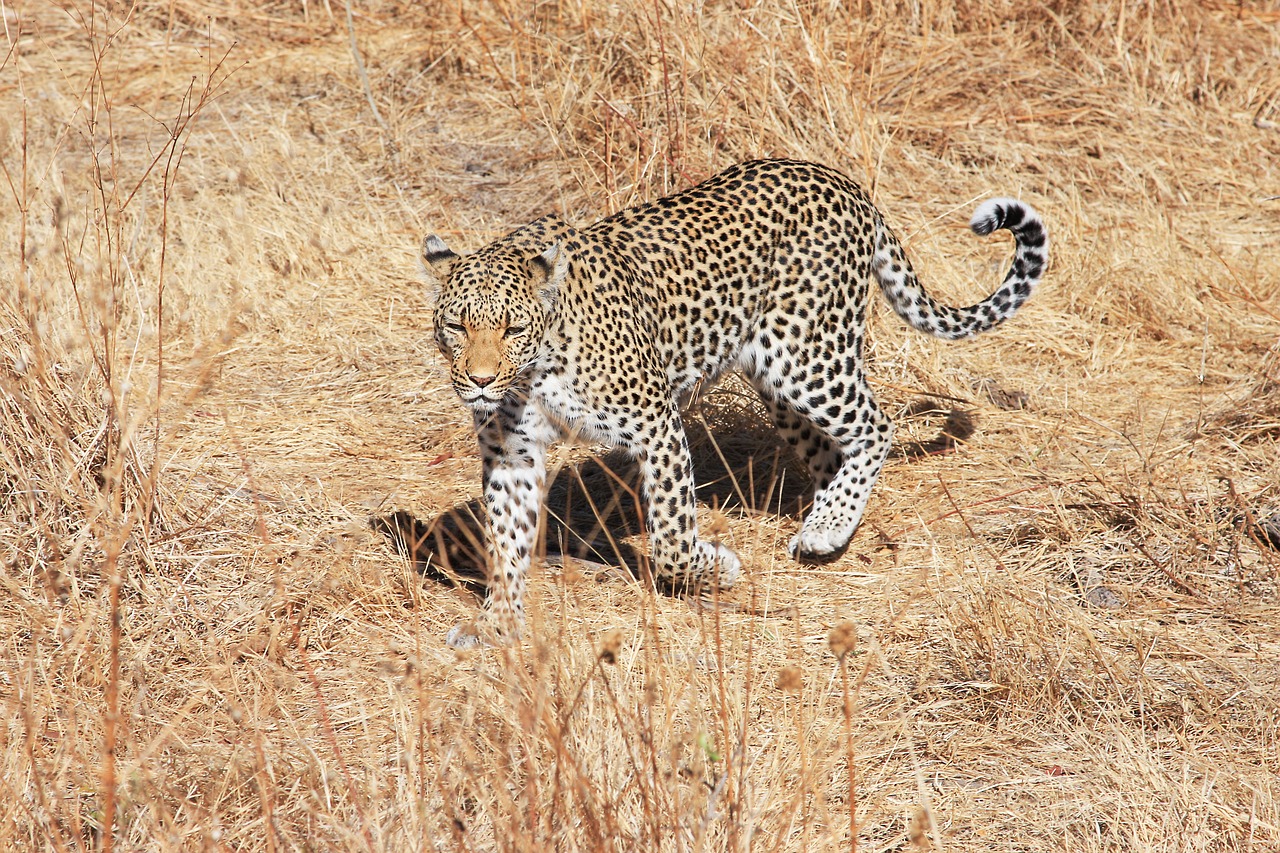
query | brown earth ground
(219,400)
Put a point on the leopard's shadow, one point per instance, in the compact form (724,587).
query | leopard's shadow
(592,508)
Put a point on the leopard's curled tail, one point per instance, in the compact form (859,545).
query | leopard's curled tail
(899,284)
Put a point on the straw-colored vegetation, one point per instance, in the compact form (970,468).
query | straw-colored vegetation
(219,401)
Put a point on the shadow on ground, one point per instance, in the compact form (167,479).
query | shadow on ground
(592,508)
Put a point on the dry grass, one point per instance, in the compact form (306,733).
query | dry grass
(215,380)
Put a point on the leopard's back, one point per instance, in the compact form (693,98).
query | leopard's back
(714,264)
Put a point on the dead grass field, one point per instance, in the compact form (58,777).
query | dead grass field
(217,391)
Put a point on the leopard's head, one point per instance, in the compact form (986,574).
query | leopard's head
(492,313)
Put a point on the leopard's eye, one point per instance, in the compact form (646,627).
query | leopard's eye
(456,328)
(513,331)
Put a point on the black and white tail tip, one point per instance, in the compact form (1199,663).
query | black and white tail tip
(996,213)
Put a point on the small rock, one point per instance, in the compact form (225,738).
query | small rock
(1266,528)
(1003,398)
(1103,598)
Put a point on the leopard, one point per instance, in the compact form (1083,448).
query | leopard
(598,334)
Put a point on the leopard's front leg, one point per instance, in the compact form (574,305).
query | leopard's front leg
(680,557)
(513,448)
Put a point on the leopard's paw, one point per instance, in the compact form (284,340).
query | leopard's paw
(486,632)
(718,564)
(467,635)
(818,545)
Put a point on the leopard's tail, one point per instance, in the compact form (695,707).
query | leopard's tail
(900,286)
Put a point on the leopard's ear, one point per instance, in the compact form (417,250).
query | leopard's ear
(548,271)
(435,261)
(435,252)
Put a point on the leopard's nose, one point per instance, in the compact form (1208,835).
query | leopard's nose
(480,381)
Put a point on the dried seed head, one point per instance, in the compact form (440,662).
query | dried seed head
(571,572)
(791,679)
(718,526)
(918,830)
(843,638)
(610,644)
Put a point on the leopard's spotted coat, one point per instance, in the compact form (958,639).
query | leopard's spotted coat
(599,333)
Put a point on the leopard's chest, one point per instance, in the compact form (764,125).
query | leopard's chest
(616,414)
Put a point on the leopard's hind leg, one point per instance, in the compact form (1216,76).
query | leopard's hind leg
(862,446)
(814,448)
(843,436)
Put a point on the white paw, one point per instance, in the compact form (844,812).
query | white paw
(721,564)
(466,636)
(816,543)
(484,633)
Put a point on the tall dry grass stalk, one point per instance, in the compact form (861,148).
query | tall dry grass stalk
(78,388)
(236,485)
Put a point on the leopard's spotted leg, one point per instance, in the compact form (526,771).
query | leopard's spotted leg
(837,429)
(814,448)
(680,557)
(514,462)
(863,434)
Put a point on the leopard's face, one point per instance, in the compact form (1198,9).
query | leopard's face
(491,320)
(487,345)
